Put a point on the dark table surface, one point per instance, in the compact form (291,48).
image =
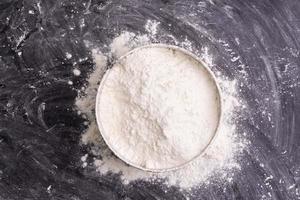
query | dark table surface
(40,130)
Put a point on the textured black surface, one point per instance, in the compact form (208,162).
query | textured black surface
(40,130)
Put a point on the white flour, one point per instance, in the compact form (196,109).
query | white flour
(220,160)
(159,109)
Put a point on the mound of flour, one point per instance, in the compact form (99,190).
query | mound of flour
(158,108)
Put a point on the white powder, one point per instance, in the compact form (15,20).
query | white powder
(76,72)
(125,42)
(220,160)
(68,55)
(86,103)
(159,108)
(151,27)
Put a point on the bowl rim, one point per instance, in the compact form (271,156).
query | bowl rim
(201,64)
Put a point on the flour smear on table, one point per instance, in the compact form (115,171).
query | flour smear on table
(219,162)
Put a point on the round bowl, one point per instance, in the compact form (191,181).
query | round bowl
(188,54)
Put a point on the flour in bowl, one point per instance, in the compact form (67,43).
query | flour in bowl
(158,108)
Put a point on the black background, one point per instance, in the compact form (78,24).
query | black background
(40,129)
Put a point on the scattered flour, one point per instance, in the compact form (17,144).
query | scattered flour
(68,55)
(219,160)
(127,41)
(152,27)
(76,72)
